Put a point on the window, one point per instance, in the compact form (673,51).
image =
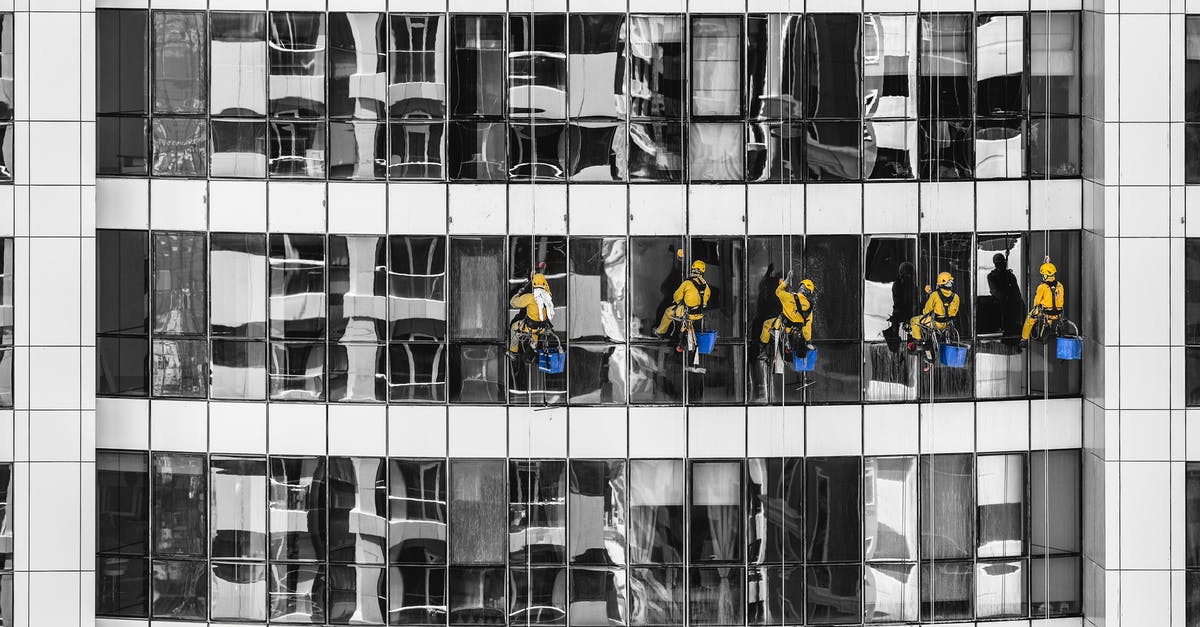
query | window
(122,320)
(122,92)
(1191,318)
(122,523)
(238,324)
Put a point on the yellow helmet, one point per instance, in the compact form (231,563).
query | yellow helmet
(539,280)
(945,279)
(807,286)
(699,266)
(1048,271)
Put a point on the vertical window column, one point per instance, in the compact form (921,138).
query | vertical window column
(1001,105)
(946,104)
(179,514)
(122,529)
(890,516)
(597,513)
(657,583)
(716,588)
(238,321)
(1055,93)
(179,77)
(298,537)
(122,317)
(297,317)
(537,88)
(833,80)
(597,136)
(417,97)
(478,324)
(296,92)
(238,538)
(478,542)
(598,355)
(357,96)
(657,97)
(238,94)
(537,541)
(357,577)
(179,363)
(476,139)
(774,104)
(357,318)
(417,317)
(122,92)
(417,526)
(889,56)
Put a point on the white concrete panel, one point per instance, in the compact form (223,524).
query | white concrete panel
(1144,85)
(358,5)
(597,6)
(48,143)
(598,209)
(296,5)
(478,431)
(716,209)
(54,598)
(358,207)
(418,209)
(1143,157)
(775,431)
(178,205)
(477,6)
(537,6)
(358,430)
(775,209)
(890,430)
(891,207)
(657,432)
(948,207)
(296,429)
(537,432)
(1193,435)
(1144,211)
(53,537)
(295,207)
(123,423)
(1145,506)
(947,5)
(49,368)
(1141,286)
(237,428)
(1056,204)
(716,432)
(657,209)
(833,430)
(54,292)
(657,6)
(478,209)
(779,6)
(833,6)
(54,436)
(1002,206)
(54,66)
(238,206)
(1145,598)
(401,6)
(716,6)
(947,428)
(53,211)
(540,209)
(8,437)
(598,432)
(7,211)
(834,208)
(179,426)
(1002,425)
(1056,423)
(416,431)
(1145,436)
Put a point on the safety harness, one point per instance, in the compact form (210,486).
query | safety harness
(1052,310)
(700,285)
(944,315)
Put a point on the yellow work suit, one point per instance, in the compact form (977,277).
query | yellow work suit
(941,308)
(531,322)
(797,311)
(691,298)
(1047,304)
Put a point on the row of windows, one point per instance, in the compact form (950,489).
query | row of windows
(367,318)
(757,97)
(765,541)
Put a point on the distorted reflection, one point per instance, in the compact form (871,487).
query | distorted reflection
(834,594)
(537,596)
(417,595)
(656,511)
(179,589)
(890,149)
(297,149)
(598,597)
(890,593)
(715,151)
(889,299)
(296,53)
(297,508)
(775,595)
(238,85)
(417,52)
(832,70)
(357,595)
(833,150)
(417,151)
(536,152)
(598,374)
(1000,496)
(947,591)
(890,508)
(947,519)
(537,65)
(716,66)
(947,149)
(357,65)
(774,152)
(477,596)
(180,65)
(597,151)
(716,596)
(297,593)
(597,508)
(831,516)
(774,65)
(775,489)
(476,151)
(596,65)
(357,150)
(239,592)
(946,69)
(239,149)
(357,318)
(238,493)
(537,527)
(999,363)
(180,147)
(1000,589)
(1000,65)
(357,510)
(889,66)
(656,596)
(716,513)
(1000,149)
(953,253)
(417,511)
(477,63)
(656,66)
(656,151)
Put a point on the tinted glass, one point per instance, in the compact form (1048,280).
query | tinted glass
(121,61)
(832,74)
(596,65)
(357,65)
(296,55)
(537,65)
(179,67)
(478,511)
(717,44)
(238,265)
(597,509)
(656,66)
(180,491)
(417,74)
(238,493)
(238,85)
(656,500)
(417,511)
(477,62)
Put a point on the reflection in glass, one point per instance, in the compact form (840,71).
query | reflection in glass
(180,283)
(179,493)
(357,150)
(537,512)
(724,379)
(179,589)
(597,151)
(357,595)
(417,151)
(1000,149)
(180,147)
(1001,498)
(775,595)
(832,70)
(1056,590)
(122,499)
(537,596)
(297,371)
(537,65)
(947,512)
(357,373)
(716,513)
(476,280)
(120,587)
(238,85)
(598,597)
(834,594)
(1055,502)
(477,596)
(654,273)
(656,151)
(716,596)
(357,510)
(121,68)
(833,151)
(417,287)
(890,508)
(656,596)
(476,374)
(121,147)
(890,593)
(297,149)
(536,152)
(831,515)
(775,152)
(297,286)
(418,372)
(1000,312)
(477,62)
(656,504)
(596,65)
(715,151)
(239,369)
(1000,589)
(417,595)
(946,50)
(947,591)
(357,288)
(297,508)
(417,511)
(297,56)
(947,149)
(597,508)
(478,513)
(889,66)
(476,151)
(716,66)
(417,79)
(357,65)
(297,593)
(239,149)
(656,66)
(655,375)
(1000,64)
(597,374)
(1054,81)
(597,285)
(890,150)
(1054,147)
(238,493)
(239,592)
(179,68)
(775,493)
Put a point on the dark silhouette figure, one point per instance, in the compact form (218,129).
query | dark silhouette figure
(1007,303)
(904,304)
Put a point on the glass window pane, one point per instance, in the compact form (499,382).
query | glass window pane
(121,366)
(1000,367)
(358,151)
(179,589)
(1055,588)
(890,593)
(774,65)
(121,267)
(357,510)
(122,65)
(1192,507)
(1000,149)
(716,596)
(596,284)
(947,149)
(654,273)
(1001,498)
(238,493)
(537,152)
(1000,589)
(180,490)
(1064,248)
(715,151)
(417,596)
(297,371)
(834,594)
(238,86)
(477,288)
(357,288)
(656,151)
(417,511)
(596,65)
(775,152)
(946,50)
(417,151)
(890,150)
(239,149)
(833,494)
(656,66)
(1191,291)
(357,595)
(597,509)
(597,374)
(357,65)
(239,369)
(121,147)
(537,512)
(716,513)
(947,591)
(476,374)
(1054,147)
(832,73)
(537,65)
(297,56)
(656,503)
(1055,494)
(297,286)
(775,595)
(537,596)
(180,147)
(179,368)
(1054,44)
(8,520)
(180,283)
(655,375)
(239,592)
(716,66)
(656,596)
(418,372)
(890,508)
(297,502)
(723,381)
(1000,64)
(417,287)
(297,150)
(889,66)
(832,150)
(477,62)
(953,253)
(122,503)
(775,500)
(357,373)
(238,266)
(180,67)
(476,151)
(477,596)
(120,587)
(478,514)
(297,593)
(598,597)
(947,512)
(417,51)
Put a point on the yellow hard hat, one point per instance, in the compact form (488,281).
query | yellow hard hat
(1048,271)
(945,279)
(699,266)
(539,280)
(807,286)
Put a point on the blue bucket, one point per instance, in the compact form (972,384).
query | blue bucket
(805,363)
(1070,348)
(552,362)
(705,341)
(953,355)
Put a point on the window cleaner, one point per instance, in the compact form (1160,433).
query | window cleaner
(686,311)
(535,319)
(936,322)
(793,326)
(1047,313)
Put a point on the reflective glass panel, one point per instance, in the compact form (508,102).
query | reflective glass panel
(537,596)
(357,373)
(417,511)
(1054,50)
(833,490)
(597,509)
(1001,501)
(239,369)
(417,74)
(179,67)
(180,283)
(121,267)
(475,374)
(890,149)
(418,372)
(774,65)
(890,508)
(120,587)
(656,66)
(121,68)
(238,85)
(358,151)
(357,65)
(239,149)
(1055,588)
(716,596)
(1000,64)
(478,514)
(476,151)
(833,150)
(297,502)
(1054,147)
(1063,248)
(357,595)
(597,151)
(477,288)
(179,368)
(297,149)
(122,503)
(180,495)
(1055,500)
(477,596)
(179,589)
(296,53)
(947,149)
(655,375)
(180,147)
(477,62)
(597,285)
(775,152)
(656,151)
(832,77)
(357,288)
(598,597)
(654,273)
(953,253)
(656,504)
(537,65)
(537,512)
(238,267)
(297,593)
(775,508)
(358,510)
(947,512)
(238,492)
(715,151)
(417,151)
(947,591)
(598,374)
(417,595)
(297,286)
(239,592)
(537,152)
(717,44)
(656,596)
(834,594)
(889,66)
(1000,149)
(121,147)
(999,314)
(596,65)
(1000,589)
(417,287)
(775,595)
(716,513)
(890,593)
(946,51)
